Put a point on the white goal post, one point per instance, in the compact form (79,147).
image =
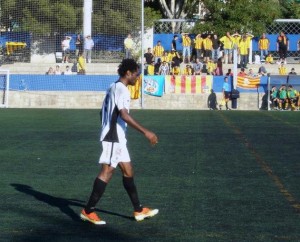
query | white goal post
(4,88)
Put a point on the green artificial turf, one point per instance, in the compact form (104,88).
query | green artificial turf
(214,176)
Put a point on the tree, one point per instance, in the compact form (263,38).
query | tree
(238,15)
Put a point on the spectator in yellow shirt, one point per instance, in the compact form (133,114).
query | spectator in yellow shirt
(263,46)
(158,51)
(151,69)
(282,69)
(207,45)
(128,44)
(81,66)
(269,59)
(188,70)
(228,47)
(186,44)
(199,46)
(243,51)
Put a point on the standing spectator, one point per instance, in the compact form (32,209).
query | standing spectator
(88,46)
(57,70)
(81,66)
(249,37)
(199,46)
(228,45)
(207,46)
(158,51)
(79,45)
(236,38)
(243,51)
(149,57)
(282,47)
(128,45)
(263,46)
(197,67)
(65,45)
(67,71)
(215,48)
(219,69)
(174,43)
(186,44)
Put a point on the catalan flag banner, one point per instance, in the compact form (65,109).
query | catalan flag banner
(135,91)
(154,85)
(188,84)
(248,82)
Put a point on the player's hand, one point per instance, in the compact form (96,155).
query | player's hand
(151,137)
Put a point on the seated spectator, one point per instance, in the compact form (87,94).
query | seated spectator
(150,68)
(67,71)
(242,73)
(157,66)
(197,66)
(176,70)
(229,73)
(269,59)
(164,68)
(188,70)
(251,73)
(262,71)
(257,59)
(57,70)
(204,68)
(50,71)
(176,60)
(211,66)
(292,72)
(282,69)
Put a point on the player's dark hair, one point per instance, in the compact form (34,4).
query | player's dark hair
(127,65)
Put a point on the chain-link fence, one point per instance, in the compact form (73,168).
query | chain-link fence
(37,28)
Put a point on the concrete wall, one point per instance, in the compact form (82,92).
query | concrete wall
(93,100)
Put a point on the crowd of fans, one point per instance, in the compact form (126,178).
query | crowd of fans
(206,54)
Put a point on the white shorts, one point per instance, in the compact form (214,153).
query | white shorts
(113,153)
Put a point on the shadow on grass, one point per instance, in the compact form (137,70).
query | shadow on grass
(61,203)
(58,229)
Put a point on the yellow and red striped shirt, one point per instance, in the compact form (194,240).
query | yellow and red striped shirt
(263,44)
(158,50)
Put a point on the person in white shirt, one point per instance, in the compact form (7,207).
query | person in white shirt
(115,117)
(88,46)
(68,71)
(65,46)
(57,70)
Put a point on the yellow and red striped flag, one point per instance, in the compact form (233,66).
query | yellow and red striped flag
(248,82)
(188,84)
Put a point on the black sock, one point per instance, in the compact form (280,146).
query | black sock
(130,187)
(98,190)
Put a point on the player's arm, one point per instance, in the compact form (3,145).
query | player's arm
(134,124)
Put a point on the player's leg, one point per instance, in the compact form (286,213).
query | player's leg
(104,176)
(140,212)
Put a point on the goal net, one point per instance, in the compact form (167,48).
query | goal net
(4,88)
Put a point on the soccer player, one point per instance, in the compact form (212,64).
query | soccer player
(274,97)
(115,117)
(283,97)
(292,95)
